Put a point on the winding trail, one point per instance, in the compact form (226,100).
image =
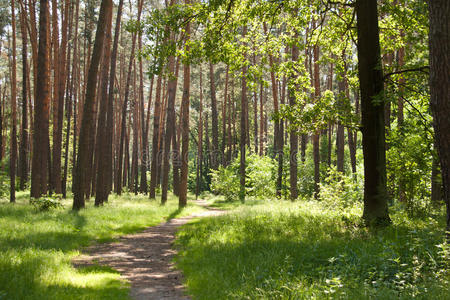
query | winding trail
(145,258)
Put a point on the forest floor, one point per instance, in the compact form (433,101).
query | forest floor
(145,258)
(274,249)
(37,247)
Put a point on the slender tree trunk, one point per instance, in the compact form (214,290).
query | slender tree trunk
(13,149)
(155,148)
(243,129)
(293,138)
(224,119)
(200,138)
(214,125)
(110,113)
(39,175)
(101,191)
(58,113)
(144,130)
(185,123)
(170,120)
(261,117)
(69,93)
(340,133)
(88,111)
(23,151)
(371,86)
(439,87)
(278,139)
(316,135)
(176,163)
(118,185)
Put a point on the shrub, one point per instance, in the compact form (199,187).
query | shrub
(340,191)
(46,203)
(260,174)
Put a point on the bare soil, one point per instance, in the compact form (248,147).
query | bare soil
(145,259)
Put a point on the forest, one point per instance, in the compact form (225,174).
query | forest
(222,149)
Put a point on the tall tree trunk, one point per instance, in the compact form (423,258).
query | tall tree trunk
(214,125)
(224,119)
(13,149)
(372,109)
(261,117)
(110,113)
(278,139)
(200,138)
(155,148)
(293,138)
(118,185)
(176,163)
(184,122)
(170,120)
(439,83)
(144,133)
(23,151)
(70,92)
(39,175)
(243,129)
(59,107)
(340,133)
(316,135)
(101,191)
(88,110)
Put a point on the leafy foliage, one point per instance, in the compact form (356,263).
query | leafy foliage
(260,174)
(47,202)
(341,192)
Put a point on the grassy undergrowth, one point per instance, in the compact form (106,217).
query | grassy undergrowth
(36,247)
(281,250)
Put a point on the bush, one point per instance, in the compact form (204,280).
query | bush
(46,203)
(340,191)
(260,178)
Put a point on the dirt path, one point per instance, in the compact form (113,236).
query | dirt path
(145,259)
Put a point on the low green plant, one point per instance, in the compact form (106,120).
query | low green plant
(340,191)
(302,250)
(47,202)
(260,174)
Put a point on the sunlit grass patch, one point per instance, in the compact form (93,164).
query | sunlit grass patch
(36,247)
(282,250)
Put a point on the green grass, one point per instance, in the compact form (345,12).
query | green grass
(36,248)
(281,250)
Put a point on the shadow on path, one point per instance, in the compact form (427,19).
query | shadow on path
(145,258)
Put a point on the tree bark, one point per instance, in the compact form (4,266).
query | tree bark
(372,109)
(316,135)
(224,120)
(439,87)
(242,141)
(185,123)
(23,149)
(39,175)
(118,185)
(155,148)
(89,103)
(101,191)
(200,138)
(214,122)
(170,120)
(13,140)
(293,138)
